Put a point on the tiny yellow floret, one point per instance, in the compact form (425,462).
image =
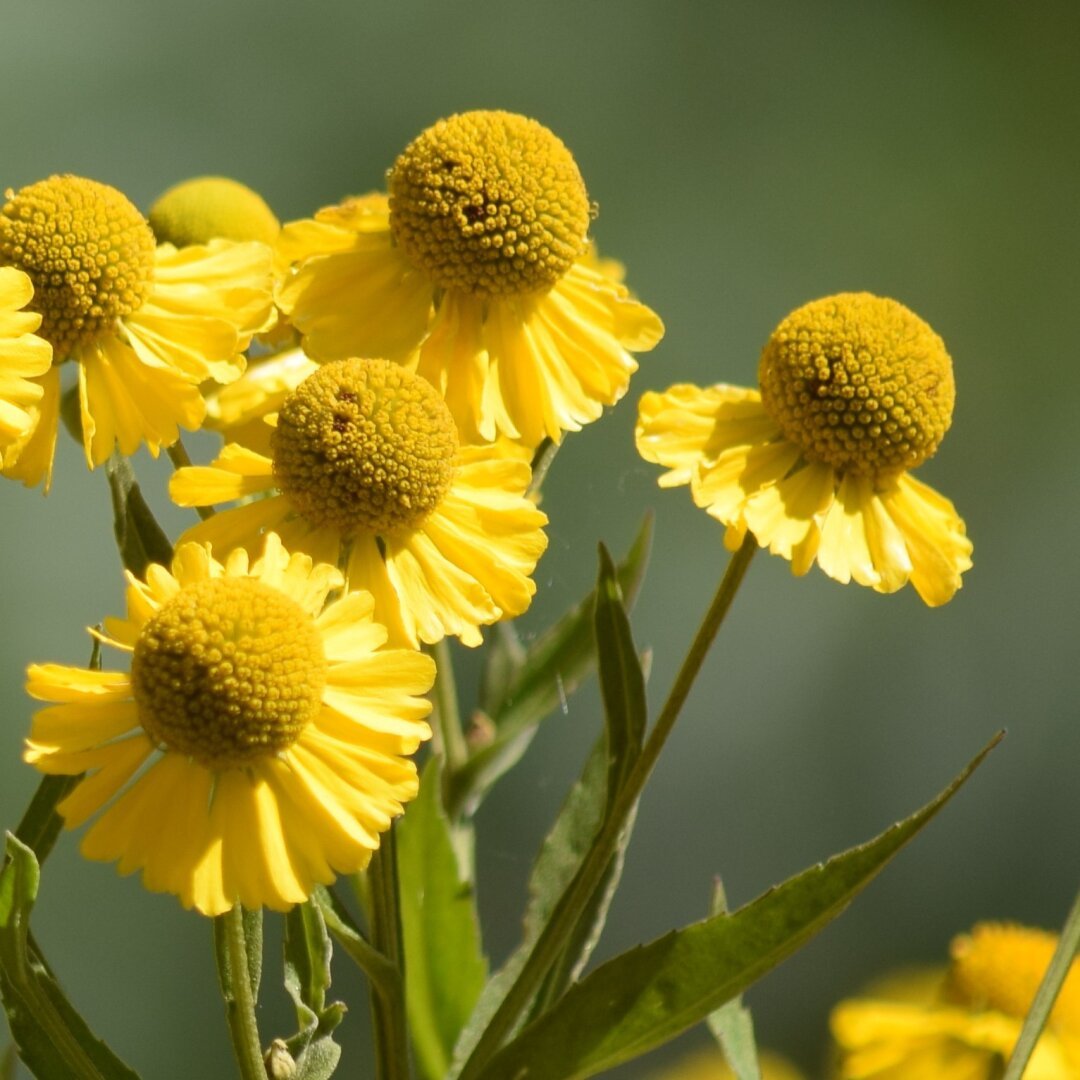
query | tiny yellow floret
(229,670)
(858,382)
(489,202)
(365,444)
(210,207)
(88,251)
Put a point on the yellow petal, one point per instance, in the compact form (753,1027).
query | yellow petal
(30,458)
(57,682)
(935,537)
(126,403)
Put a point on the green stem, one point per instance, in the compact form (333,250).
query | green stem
(178,455)
(233,963)
(451,737)
(1060,964)
(388,1004)
(548,946)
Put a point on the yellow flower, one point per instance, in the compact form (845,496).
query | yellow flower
(968,1029)
(144,324)
(710,1065)
(260,743)
(212,207)
(480,258)
(856,390)
(24,358)
(368,473)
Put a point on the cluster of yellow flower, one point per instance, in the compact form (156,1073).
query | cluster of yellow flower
(958,1022)
(383,374)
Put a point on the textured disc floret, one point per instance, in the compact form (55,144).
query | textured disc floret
(491,203)
(860,383)
(229,670)
(207,207)
(88,251)
(365,444)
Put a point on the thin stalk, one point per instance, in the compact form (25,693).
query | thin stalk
(388,1004)
(178,455)
(548,945)
(231,951)
(1060,963)
(451,737)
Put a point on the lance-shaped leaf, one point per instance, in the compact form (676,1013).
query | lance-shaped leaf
(531,688)
(139,537)
(580,819)
(645,997)
(51,1037)
(307,979)
(445,968)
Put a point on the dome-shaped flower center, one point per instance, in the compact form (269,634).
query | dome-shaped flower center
(859,383)
(489,202)
(88,251)
(197,211)
(999,966)
(364,444)
(227,671)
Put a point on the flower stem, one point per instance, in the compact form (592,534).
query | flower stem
(1060,964)
(234,967)
(451,738)
(548,945)
(178,455)
(388,1001)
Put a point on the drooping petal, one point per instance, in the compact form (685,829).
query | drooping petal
(935,536)
(125,402)
(30,457)
(364,301)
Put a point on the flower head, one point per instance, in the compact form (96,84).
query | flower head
(478,271)
(259,744)
(208,208)
(965,1028)
(144,324)
(24,358)
(856,390)
(366,470)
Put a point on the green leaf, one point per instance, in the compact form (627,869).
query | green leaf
(622,687)
(139,537)
(645,997)
(52,1038)
(553,668)
(731,1025)
(622,681)
(445,968)
(307,979)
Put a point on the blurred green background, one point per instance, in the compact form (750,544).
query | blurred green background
(746,158)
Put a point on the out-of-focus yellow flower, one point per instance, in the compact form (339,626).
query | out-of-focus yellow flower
(709,1064)
(481,259)
(209,208)
(966,1028)
(366,471)
(145,324)
(24,358)
(856,391)
(260,744)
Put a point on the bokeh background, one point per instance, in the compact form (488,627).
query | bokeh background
(746,158)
